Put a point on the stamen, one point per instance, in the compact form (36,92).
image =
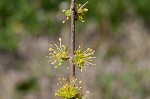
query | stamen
(84,4)
(60,43)
(57,47)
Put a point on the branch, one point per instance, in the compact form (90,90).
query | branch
(72,48)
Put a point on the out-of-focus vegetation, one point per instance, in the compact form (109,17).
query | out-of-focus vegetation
(117,29)
(38,16)
(26,16)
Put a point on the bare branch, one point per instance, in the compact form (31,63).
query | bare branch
(72,48)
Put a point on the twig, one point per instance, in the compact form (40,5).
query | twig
(72,48)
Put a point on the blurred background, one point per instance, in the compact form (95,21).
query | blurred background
(119,31)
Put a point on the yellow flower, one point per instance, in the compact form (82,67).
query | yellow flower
(81,11)
(57,54)
(69,90)
(83,58)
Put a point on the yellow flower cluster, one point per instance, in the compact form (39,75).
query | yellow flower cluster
(83,58)
(69,90)
(80,10)
(58,55)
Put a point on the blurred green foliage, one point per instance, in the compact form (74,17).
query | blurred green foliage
(128,81)
(111,9)
(26,17)
(28,85)
(142,9)
(107,86)
(35,17)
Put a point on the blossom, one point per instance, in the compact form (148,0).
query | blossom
(58,55)
(69,90)
(80,11)
(83,58)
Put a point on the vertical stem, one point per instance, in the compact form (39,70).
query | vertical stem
(72,48)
